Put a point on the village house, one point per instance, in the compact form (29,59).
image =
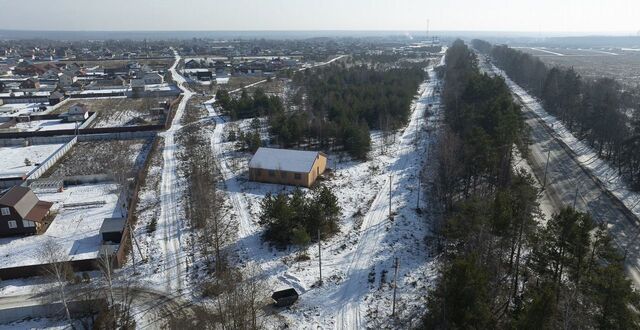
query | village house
(30,84)
(66,79)
(153,79)
(137,87)
(78,112)
(55,97)
(22,213)
(290,167)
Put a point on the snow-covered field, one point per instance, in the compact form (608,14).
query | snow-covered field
(44,125)
(75,228)
(358,263)
(587,157)
(12,158)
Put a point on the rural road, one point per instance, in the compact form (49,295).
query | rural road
(407,159)
(169,222)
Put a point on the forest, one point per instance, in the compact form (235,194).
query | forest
(501,267)
(344,103)
(602,112)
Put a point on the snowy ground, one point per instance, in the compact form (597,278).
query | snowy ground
(358,262)
(17,109)
(12,159)
(167,267)
(75,228)
(587,157)
(44,125)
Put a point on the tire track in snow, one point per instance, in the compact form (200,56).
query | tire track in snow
(169,220)
(373,226)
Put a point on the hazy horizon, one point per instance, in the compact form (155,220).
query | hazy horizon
(543,16)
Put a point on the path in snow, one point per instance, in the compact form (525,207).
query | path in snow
(169,222)
(353,290)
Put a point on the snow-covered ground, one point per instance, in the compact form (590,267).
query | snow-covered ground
(75,228)
(44,125)
(587,157)
(171,219)
(358,262)
(12,158)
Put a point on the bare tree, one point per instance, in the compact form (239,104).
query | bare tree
(57,267)
(117,312)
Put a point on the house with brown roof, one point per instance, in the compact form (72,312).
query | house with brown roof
(22,213)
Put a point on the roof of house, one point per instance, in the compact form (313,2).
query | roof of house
(56,95)
(26,203)
(284,160)
(137,83)
(111,225)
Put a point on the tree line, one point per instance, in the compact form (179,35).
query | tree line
(501,267)
(602,112)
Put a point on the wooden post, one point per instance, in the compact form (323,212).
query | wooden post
(390,178)
(419,187)
(319,257)
(544,185)
(395,286)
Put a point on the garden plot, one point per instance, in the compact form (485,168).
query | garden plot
(101,157)
(122,111)
(17,161)
(75,229)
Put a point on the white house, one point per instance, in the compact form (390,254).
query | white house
(78,112)
(65,79)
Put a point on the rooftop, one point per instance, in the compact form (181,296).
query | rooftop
(284,160)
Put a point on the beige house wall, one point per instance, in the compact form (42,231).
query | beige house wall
(291,178)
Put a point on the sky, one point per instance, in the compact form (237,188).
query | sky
(570,16)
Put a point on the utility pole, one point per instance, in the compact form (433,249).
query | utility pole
(319,257)
(544,185)
(395,286)
(419,187)
(390,178)
(575,197)
(133,253)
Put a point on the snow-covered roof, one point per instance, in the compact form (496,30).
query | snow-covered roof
(284,160)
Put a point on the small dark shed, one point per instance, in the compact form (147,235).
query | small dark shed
(111,229)
(284,298)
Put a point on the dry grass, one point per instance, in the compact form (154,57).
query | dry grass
(100,157)
(121,111)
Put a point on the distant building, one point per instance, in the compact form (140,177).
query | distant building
(55,97)
(66,79)
(30,84)
(137,87)
(290,167)
(78,112)
(22,213)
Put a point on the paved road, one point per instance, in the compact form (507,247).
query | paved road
(568,183)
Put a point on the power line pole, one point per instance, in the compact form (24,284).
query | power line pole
(544,185)
(390,178)
(575,197)
(319,257)
(419,187)
(395,286)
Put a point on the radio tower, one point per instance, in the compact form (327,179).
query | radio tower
(427,29)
